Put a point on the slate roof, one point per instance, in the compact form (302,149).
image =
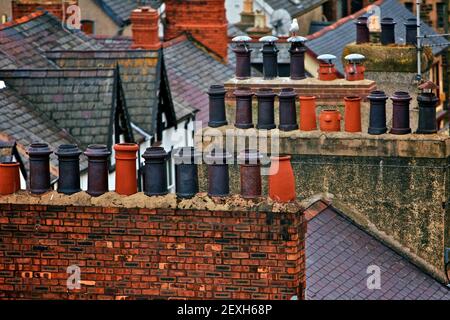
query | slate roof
(119,10)
(114,43)
(338,254)
(6,62)
(140,77)
(82,101)
(295,9)
(21,121)
(334,38)
(25,40)
(191,70)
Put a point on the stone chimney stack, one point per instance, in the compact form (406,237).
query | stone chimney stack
(144,25)
(22,8)
(205,20)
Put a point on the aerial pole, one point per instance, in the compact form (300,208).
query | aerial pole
(419,42)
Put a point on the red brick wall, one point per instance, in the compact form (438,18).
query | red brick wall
(23,8)
(204,19)
(140,253)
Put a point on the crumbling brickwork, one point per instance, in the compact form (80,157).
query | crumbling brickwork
(141,253)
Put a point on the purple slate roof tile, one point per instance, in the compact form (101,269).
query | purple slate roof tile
(26,42)
(138,71)
(21,121)
(191,71)
(80,101)
(119,10)
(338,254)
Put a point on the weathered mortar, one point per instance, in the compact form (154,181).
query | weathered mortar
(394,186)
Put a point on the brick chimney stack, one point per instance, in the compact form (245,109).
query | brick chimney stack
(22,8)
(144,25)
(205,20)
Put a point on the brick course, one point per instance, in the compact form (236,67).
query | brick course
(205,20)
(138,253)
(21,8)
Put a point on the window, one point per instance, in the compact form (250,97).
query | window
(356,5)
(409,6)
(4,18)
(87,26)
(441,14)
(436,74)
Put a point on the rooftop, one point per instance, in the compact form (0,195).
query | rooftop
(338,254)
(120,10)
(295,10)
(21,122)
(332,39)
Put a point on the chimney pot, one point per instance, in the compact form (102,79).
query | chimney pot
(287,110)
(250,172)
(377,112)
(352,114)
(308,120)
(326,71)
(266,102)
(217,117)
(69,169)
(218,176)
(186,171)
(427,113)
(126,177)
(39,154)
(270,57)
(98,155)
(387,31)
(362,30)
(155,176)
(281,179)
(411,31)
(400,113)
(297,52)
(244,113)
(243,57)
(9,177)
(330,121)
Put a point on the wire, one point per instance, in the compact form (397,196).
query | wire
(370,165)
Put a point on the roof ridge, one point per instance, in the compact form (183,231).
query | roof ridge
(180,38)
(93,72)
(23,19)
(341,21)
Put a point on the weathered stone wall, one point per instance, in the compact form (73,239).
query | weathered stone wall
(141,247)
(396,187)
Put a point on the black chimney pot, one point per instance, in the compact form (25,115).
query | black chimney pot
(217,117)
(377,122)
(69,168)
(39,154)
